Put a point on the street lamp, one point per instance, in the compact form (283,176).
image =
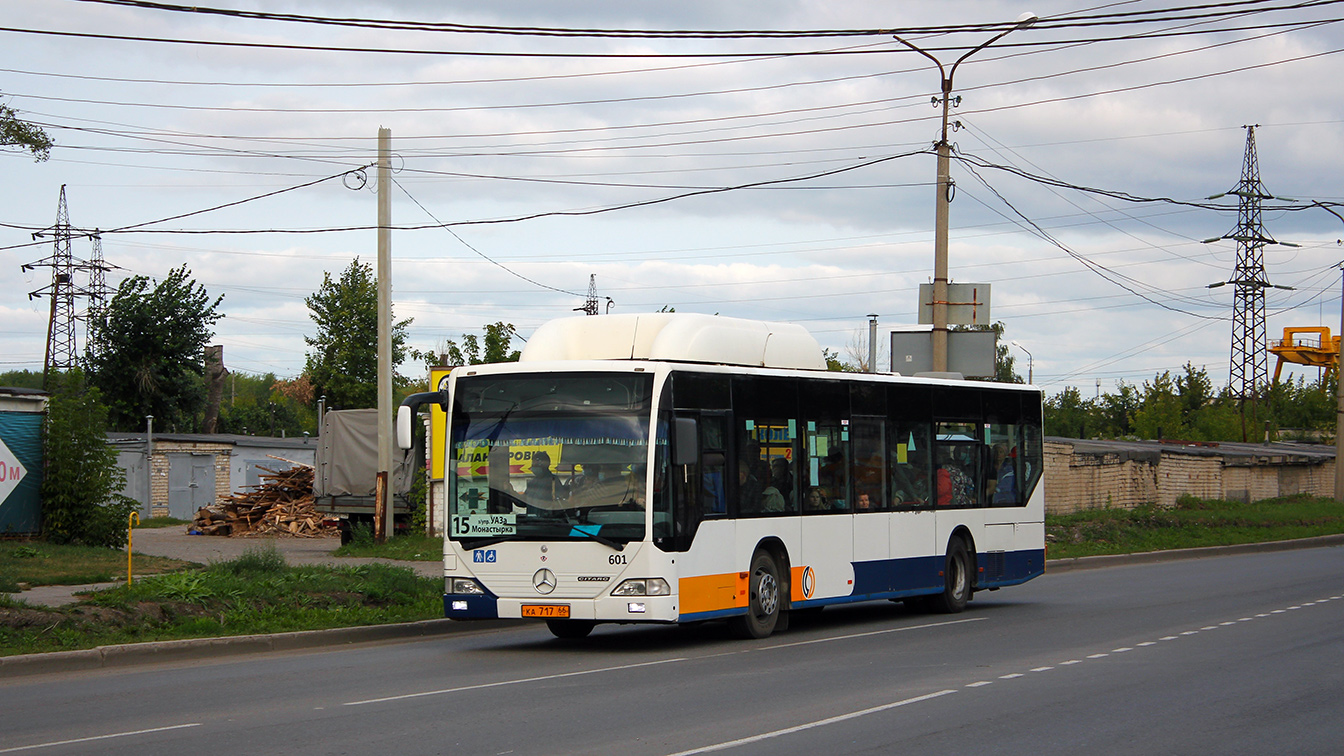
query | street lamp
(944,189)
(1031,363)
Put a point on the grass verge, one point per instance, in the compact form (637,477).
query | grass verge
(255,593)
(412,547)
(41,563)
(1191,523)
(161,522)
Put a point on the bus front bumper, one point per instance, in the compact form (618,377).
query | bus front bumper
(601,609)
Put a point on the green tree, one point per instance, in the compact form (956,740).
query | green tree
(343,362)
(1115,412)
(1068,414)
(81,482)
(151,351)
(1301,405)
(29,379)
(834,364)
(1162,414)
(494,347)
(264,405)
(17,133)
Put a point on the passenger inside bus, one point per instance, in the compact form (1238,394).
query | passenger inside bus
(771,499)
(749,489)
(781,478)
(1005,484)
(955,487)
(910,482)
(816,500)
(544,487)
(502,493)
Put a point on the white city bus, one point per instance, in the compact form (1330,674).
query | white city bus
(668,468)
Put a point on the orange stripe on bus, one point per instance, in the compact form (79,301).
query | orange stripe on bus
(712,593)
(796,584)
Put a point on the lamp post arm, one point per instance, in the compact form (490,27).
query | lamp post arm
(942,73)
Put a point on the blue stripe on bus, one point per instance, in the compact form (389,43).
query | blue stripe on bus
(478,607)
(719,614)
(881,577)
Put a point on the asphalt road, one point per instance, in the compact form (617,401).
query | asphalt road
(1235,654)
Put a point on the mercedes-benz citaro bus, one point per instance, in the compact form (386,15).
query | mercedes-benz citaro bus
(672,468)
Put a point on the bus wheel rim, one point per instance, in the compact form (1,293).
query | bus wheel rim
(767,594)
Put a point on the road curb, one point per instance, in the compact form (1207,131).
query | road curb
(1154,557)
(190,649)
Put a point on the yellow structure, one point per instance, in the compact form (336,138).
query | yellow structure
(1322,351)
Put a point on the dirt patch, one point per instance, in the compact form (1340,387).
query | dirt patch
(16,618)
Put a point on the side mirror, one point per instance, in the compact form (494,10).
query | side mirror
(404,415)
(687,451)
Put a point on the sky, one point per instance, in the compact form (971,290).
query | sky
(785,177)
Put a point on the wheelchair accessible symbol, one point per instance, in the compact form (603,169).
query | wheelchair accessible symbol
(483,555)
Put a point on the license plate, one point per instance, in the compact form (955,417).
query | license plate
(546,610)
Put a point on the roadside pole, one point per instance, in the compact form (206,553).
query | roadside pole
(1339,396)
(383,518)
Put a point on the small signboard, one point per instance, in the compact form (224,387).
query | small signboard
(967,304)
(970,353)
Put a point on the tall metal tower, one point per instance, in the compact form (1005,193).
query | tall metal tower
(1250,360)
(61,353)
(590,305)
(98,292)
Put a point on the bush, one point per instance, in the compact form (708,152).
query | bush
(81,484)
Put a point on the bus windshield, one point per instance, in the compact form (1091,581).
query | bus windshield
(555,457)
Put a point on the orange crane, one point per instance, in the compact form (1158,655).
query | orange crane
(1321,351)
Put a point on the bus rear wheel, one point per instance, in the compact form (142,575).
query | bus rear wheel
(764,601)
(956,580)
(570,629)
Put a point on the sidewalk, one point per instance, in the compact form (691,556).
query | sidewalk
(175,543)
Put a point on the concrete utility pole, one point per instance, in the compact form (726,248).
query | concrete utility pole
(383,503)
(944,189)
(872,343)
(1339,398)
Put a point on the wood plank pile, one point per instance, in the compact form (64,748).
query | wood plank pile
(281,505)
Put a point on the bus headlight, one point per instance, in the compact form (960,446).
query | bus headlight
(463,586)
(643,587)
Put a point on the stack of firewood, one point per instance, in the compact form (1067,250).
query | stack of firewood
(281,505)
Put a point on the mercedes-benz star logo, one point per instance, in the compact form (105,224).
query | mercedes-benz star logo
(544,581)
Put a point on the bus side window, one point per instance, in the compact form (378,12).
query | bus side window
(868,467)
(713,464)
(909,455)
(765,466)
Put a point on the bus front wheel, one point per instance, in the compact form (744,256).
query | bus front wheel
(570,629)
(957,578)
(764,601)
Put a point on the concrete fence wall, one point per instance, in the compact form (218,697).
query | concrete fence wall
(1083,474)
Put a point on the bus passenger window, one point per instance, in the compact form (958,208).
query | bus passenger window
(713,460)
(765,474)
(867,472)
(910,466)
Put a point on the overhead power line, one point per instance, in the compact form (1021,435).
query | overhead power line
(1044,24)
(1231,8)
